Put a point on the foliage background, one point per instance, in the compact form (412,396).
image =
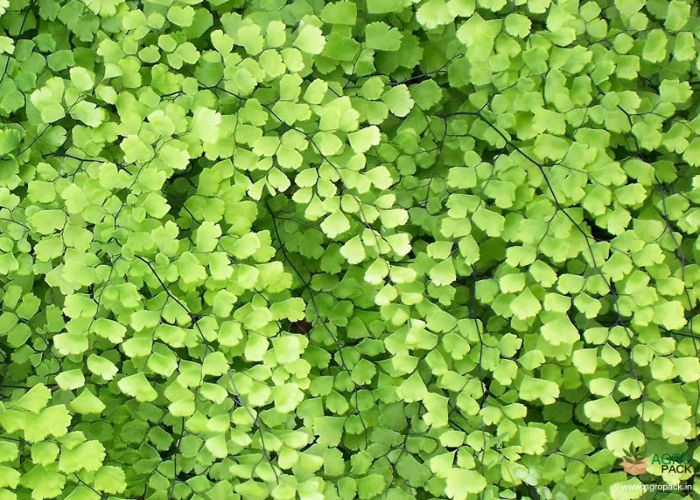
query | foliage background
(384,249)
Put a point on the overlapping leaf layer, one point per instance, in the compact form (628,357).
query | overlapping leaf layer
(374,249)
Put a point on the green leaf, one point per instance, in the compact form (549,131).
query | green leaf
(310,40)
(8,451)
(35,399)
(82,79)
(399,100)
(655,46)
(71,379)
(550,147)
(362,140)
(461,482)
(44,482)
(86,456)
(87,403)
(525,305)
(343,12)
(426,95)
(601,409)
(138,387)
(370,486)
(102,367)
(518,25)
(44,453)
(559,330)
(532,389)
(110,479)
(335,224)
(434,13)
(380,36)
(181,16)
(412,389)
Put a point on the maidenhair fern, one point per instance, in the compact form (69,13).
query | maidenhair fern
(332,250)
